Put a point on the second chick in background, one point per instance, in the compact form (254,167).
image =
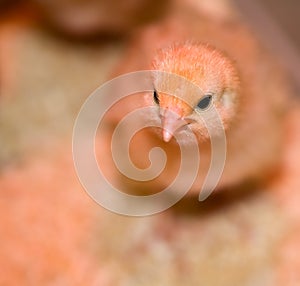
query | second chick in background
(96,18)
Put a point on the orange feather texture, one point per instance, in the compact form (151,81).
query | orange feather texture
(242,80)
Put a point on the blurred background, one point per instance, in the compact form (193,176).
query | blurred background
(53,54)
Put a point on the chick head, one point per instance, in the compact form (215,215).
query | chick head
(218,89)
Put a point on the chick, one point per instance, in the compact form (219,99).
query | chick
(236,76)
(214,74)
(91,18)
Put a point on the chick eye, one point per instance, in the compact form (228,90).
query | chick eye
(204,102)
(155,97)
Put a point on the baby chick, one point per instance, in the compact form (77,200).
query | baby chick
(234,74)
(90,18)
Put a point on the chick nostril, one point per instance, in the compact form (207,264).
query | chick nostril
(189,121)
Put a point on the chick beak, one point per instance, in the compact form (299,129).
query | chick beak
(171,122)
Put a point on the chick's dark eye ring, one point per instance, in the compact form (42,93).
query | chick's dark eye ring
(155,97)
(205,102)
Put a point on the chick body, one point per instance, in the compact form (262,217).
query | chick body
(230,58)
